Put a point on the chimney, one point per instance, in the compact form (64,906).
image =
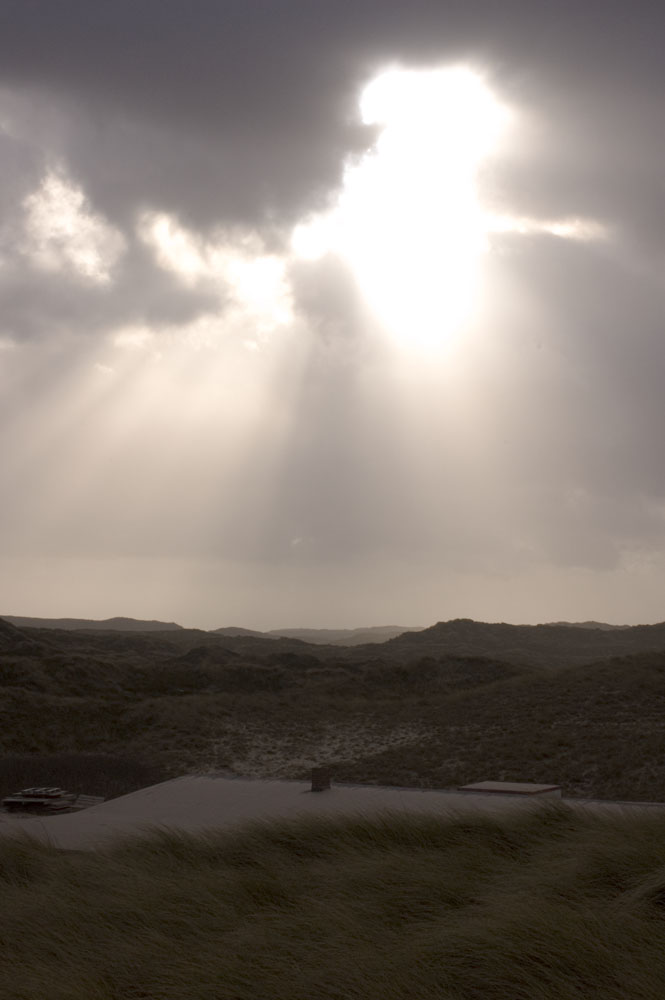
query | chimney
(320,779)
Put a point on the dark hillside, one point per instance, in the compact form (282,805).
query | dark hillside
(601,625)
(188,700)
(15,639)
(536,645)
(116,624)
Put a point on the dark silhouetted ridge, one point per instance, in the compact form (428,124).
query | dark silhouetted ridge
(107,624)
(13,639)
(544,645)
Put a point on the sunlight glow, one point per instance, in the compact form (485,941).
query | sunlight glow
(408,218)
(176,249)
(453,107)
(64,234)
(251,283)
(574,228)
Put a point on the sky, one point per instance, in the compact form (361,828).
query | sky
(329,313)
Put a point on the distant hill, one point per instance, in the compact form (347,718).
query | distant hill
(536,645)
(603,626)
(234,631)
(324,636)
(107,624)
(344,636)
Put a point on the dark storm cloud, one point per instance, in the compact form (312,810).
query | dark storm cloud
(39,302)
(21,173)
(261,96)
(229,112)
(227,79)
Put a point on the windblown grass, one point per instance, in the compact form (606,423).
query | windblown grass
(549,904)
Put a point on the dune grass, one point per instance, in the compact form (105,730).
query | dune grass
(548,904)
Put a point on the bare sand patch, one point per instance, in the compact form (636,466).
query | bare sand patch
(255,753)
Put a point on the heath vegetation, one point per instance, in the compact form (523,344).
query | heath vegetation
(415,710)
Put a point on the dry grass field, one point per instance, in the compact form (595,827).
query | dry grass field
(544,905)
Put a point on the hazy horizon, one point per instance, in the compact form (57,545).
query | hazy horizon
(335,313)
(335,626)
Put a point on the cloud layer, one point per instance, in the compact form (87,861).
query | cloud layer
(180,388)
